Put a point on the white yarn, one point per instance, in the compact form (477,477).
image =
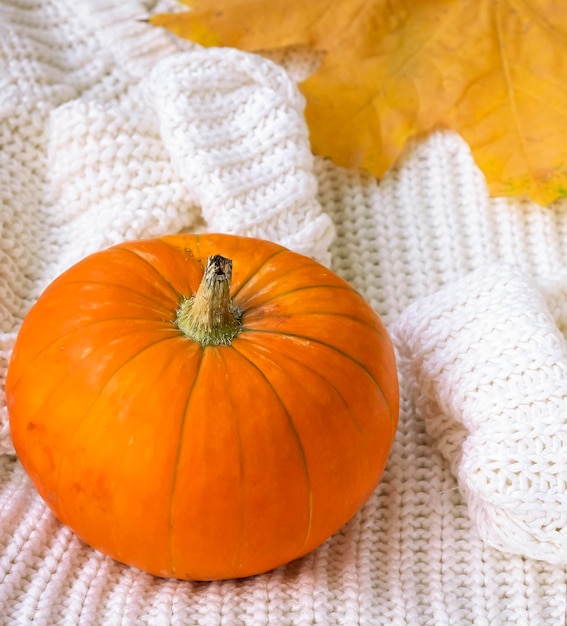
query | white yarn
(6,344)
(235,125)
(488,368)
(88,157)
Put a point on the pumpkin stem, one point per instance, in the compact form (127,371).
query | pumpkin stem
(210,317)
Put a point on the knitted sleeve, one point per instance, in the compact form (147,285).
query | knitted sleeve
(488,372)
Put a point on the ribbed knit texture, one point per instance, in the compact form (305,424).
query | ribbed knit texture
(487,367)
(112,130)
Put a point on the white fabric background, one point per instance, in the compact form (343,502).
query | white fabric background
(91,152)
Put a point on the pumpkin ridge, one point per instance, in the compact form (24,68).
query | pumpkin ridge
(238,552)
(170,558)
(59,285)
(92,323)
(97,397)
(293,290)
(265,290)
(346,316)
(346,286)
(295,436)
(323,378)
(338,350)
(320,375)
(255,271)
(153,267)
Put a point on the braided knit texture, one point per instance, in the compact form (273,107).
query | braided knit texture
(113,130)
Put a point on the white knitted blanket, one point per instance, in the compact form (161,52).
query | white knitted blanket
(112,130)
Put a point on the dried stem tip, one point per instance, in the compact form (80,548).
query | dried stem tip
(210,317)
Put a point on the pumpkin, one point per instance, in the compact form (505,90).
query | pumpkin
(202,407)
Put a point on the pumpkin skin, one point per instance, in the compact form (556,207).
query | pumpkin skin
(197,462)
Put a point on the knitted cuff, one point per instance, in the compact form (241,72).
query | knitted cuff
(234,127)
(486,367)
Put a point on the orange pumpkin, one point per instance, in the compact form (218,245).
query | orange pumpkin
(196,426)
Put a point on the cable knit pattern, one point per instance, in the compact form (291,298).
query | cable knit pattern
(488,371)
(110,130)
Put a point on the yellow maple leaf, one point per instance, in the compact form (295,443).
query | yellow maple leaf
(495,71)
